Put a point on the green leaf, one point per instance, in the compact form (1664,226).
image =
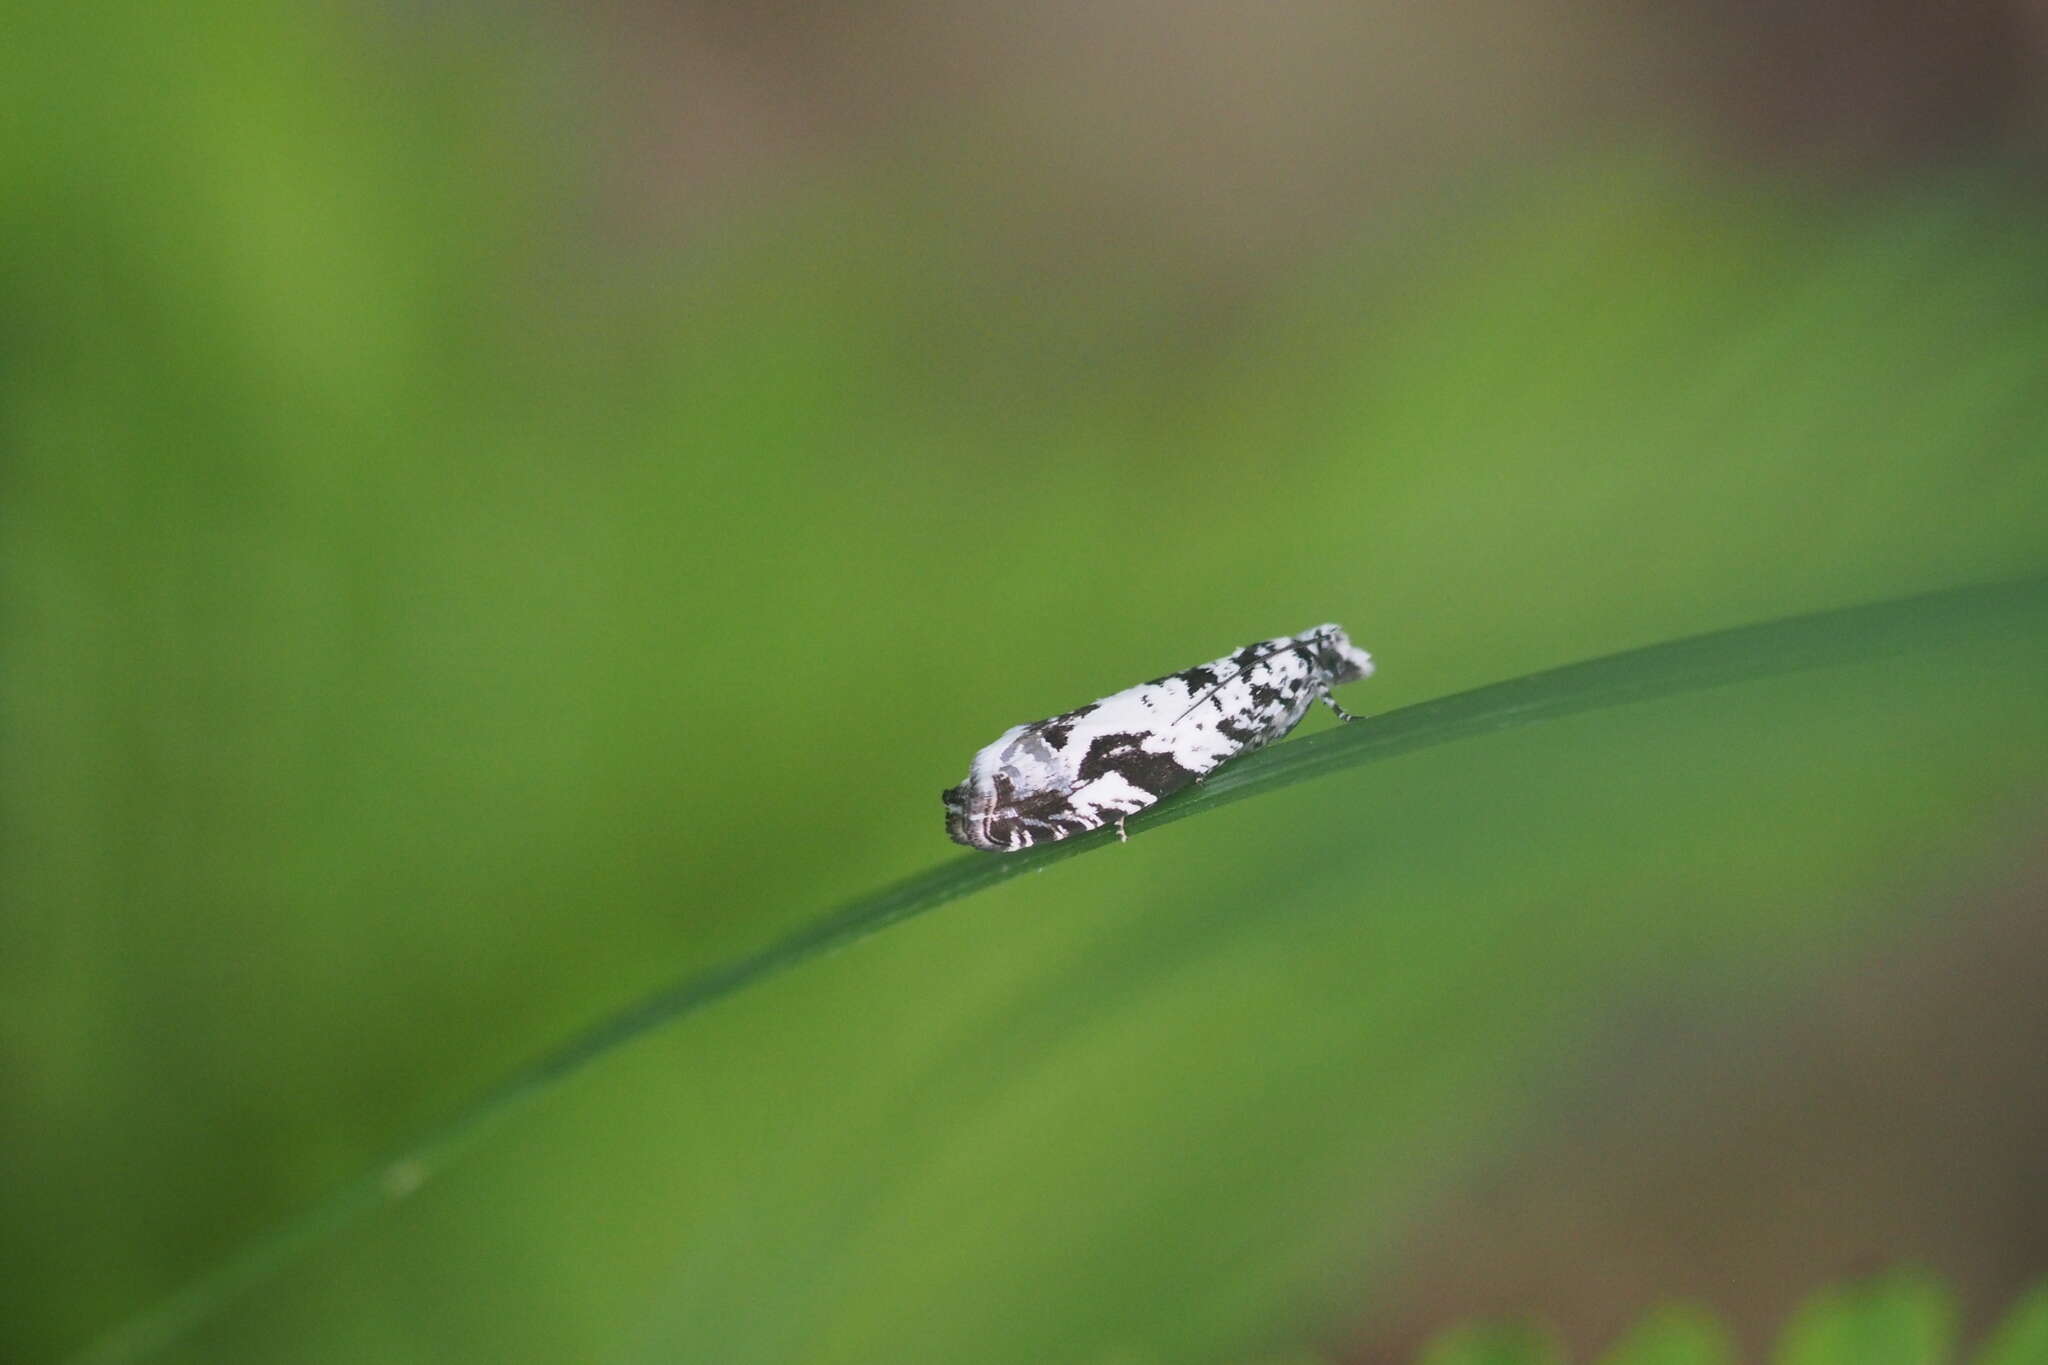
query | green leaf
(1817,640)
(1493,1344)
(1674,1335)
(1899,1319)
(1903,1318)
(2023,1339)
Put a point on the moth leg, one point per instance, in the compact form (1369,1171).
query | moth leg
(1317,671)
(1331,702)
(1121,837)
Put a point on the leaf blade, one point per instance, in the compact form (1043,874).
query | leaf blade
(1824,639)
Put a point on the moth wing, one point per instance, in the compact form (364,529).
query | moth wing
(1038,764)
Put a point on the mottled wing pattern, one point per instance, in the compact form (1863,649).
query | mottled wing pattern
(1102,762)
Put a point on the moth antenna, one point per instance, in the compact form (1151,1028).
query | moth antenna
(1218,685)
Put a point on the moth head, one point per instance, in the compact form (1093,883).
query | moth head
(1345,661)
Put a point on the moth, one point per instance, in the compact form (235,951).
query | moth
(1101,763)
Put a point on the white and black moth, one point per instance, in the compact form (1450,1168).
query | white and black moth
(1110,759)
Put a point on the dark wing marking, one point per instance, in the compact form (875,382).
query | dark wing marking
(1242,663)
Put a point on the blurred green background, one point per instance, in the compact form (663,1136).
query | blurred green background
(499,509)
